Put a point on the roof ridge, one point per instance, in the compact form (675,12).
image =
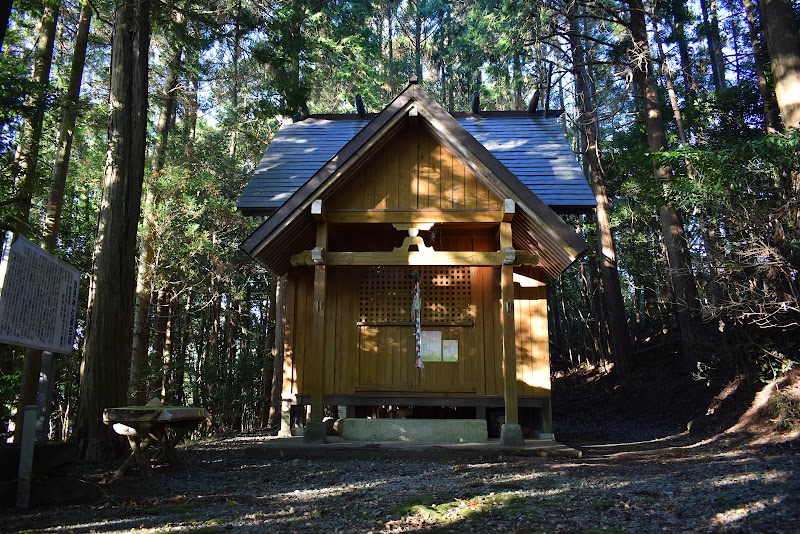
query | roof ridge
(550,114)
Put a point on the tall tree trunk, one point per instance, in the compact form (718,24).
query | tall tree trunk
(212,361)
(27,156)
(418,41)
(192,105)
(227,356)
(783,45)
(159,340)
(5,15)
(141,316)
(33,127)
(673,96)
(519,102)
(390,73)
(107,349)
(58,178)
(237,52)
(181,329)
(588,120)
(146,269)
(710,235)
(679,21)
(711,26)
(678,257)
(167,364)
(771,121)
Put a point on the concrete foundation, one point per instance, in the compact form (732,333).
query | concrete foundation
(415,430)
(314,432)
(511,435)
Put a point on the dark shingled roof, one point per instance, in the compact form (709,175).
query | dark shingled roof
(536,227)
(531,146)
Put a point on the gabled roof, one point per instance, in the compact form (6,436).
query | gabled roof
(536,227)
(531,146)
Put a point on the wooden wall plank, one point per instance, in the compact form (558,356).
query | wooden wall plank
(413,171)
(424,174)
(406,175)
(347,332)
(303,322)
(541,375)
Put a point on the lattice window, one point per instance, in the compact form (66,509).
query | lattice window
(446,295)
(386,295)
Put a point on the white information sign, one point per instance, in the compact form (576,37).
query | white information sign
(38,297)
(450,350)
(431,346)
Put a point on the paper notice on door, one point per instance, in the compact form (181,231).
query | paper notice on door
(431,346)
(450,350)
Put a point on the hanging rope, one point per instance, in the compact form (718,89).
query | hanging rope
(416,311)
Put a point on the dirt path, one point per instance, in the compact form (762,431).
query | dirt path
(701,488)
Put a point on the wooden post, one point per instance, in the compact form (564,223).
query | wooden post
(26,456)
(45,396)
(315,365)
(511,432)
(547,420)
(318,343)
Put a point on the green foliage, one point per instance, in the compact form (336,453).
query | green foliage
(732,183)
(11,359)
(786,411)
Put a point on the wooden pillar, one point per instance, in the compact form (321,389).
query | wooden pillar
(547,420)
(315,366)
(511,432)
(318,344)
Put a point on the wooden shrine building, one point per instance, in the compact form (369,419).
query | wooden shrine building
(416,245)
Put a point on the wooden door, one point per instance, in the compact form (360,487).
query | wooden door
(387,359)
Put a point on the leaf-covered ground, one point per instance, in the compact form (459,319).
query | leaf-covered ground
(641,472)
(711,487)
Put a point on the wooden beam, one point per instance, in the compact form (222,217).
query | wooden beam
(422,399)
(402,227)
(402,258)
(415,217)
(509,209)
(318,210)
(508,330)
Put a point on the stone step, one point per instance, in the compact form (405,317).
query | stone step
(415,430)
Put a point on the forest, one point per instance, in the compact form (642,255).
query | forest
(128,129)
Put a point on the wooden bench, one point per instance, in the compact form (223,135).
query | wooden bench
(157,426)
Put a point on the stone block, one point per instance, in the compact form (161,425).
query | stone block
(415,430)
(511,435)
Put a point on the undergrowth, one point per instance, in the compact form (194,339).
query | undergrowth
(786,411)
